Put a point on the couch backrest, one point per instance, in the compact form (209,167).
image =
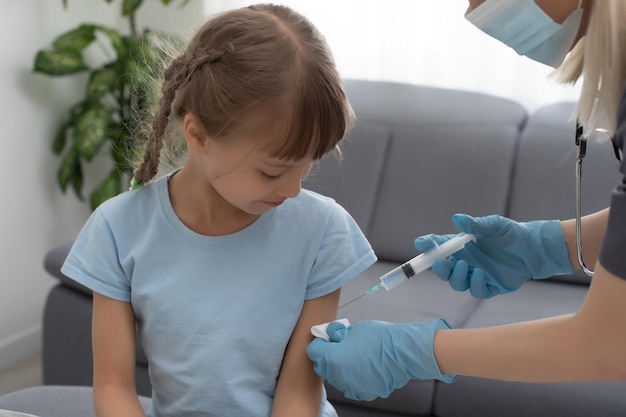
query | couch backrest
(544,184)
(420,154)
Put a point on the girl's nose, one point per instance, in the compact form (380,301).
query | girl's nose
(291,187)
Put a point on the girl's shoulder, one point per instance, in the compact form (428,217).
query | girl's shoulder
(133,206)
(313,197)
(310,207)
(311,200)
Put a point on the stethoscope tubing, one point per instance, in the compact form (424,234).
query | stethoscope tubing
(581,144)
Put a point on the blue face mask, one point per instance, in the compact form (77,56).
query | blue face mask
(523,26)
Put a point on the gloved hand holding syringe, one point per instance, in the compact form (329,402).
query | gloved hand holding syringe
(417,265)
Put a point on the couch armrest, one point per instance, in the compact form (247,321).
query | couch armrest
(54,260)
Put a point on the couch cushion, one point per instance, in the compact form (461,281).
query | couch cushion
(534,300)
(418,193)
(545,165)
(487,398)
(414,399)
(56,401)
(353,178)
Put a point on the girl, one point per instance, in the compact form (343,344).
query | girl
(223,266)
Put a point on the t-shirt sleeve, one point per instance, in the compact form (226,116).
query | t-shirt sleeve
(343,254)
(94,260)
(613,251)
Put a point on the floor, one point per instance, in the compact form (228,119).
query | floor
(24,374)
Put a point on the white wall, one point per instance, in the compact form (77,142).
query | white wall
(427,42)
(34,215)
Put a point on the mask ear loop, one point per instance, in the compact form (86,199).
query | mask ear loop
(581,144)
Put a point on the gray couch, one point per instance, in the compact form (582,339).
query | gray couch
(416,156)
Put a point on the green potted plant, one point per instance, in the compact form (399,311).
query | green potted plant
(104,120)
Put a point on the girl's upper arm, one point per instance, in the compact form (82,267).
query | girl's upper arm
(299,389)
(113,339)
(113,344)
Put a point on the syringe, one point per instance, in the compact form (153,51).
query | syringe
(417,265)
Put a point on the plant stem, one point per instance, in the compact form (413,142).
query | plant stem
(133,26)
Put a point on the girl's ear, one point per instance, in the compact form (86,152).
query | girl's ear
(195,134)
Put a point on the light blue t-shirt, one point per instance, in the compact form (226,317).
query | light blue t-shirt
(215,313)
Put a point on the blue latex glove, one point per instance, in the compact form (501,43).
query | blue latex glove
(506,254)
(371,359)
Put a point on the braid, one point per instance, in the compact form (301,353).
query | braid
(199,59)
(150,165)
(178,74)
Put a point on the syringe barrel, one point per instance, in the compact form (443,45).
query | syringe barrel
(393,278)
(424,261)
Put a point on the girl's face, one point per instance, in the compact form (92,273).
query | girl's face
(259,182)
(243,173)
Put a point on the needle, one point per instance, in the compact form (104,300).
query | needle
(368,292)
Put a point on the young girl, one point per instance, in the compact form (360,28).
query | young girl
(223,265)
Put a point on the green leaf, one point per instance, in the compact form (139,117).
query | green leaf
(60,139)
(91,130)
(129,7)
(75,40)
(117,40)
(108,188)
(59,63)
(102,81)
(66,171)
(168,2)
(77,181)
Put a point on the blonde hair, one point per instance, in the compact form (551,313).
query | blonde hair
(600,58)
(263,60)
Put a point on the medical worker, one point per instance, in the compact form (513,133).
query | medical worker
(371,359)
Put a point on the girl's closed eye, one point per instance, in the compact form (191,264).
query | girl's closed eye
(270,176)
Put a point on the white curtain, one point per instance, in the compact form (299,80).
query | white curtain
(425,42)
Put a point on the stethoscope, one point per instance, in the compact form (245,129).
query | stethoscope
(581,145)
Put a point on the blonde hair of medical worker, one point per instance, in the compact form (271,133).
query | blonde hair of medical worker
(264,60)
(600,58)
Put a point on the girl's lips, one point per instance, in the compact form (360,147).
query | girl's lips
(274,204)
